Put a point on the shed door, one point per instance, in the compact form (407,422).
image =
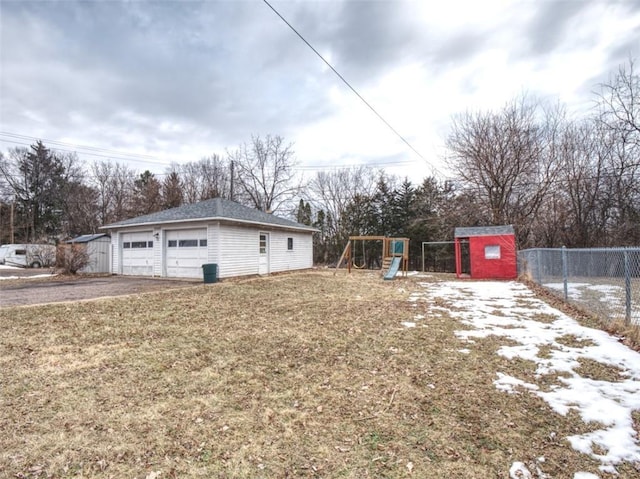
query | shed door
(465,256)
(186,251)
(263,261)
(137,253)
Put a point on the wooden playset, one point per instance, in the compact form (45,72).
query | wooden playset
(395,254)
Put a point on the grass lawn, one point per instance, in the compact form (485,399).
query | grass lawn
(301,375)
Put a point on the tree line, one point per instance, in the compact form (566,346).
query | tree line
(558,180)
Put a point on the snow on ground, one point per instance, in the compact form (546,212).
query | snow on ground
(417,274)
(5,267)
(608,292)
(44,275)
(509,310)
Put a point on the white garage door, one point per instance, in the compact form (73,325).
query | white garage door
(186,252)
(137,253)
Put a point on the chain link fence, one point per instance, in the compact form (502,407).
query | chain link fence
(605,281)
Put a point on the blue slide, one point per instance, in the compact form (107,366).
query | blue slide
(393,269)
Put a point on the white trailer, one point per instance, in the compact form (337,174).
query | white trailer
(28,255)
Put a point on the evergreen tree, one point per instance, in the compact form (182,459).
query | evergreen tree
(37,178)
(147,197)
(172,191)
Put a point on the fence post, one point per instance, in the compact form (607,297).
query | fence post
(538,270)
(627,287)
(564,273)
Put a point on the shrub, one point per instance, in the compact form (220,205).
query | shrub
(71,258)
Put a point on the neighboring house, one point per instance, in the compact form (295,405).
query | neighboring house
(178,241)
(98,247)
(486,252)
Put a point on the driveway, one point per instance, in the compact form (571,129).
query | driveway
(57,289)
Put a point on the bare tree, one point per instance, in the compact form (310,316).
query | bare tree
(619,102)
(619,114)
(507,160)
(208,178)
(113,183)
(265,172)
(331,193)
(584,153)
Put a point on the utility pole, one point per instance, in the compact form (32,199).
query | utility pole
(11,223)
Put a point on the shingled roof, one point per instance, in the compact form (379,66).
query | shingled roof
(483,231)
(216,209)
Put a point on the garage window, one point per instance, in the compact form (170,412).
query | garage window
(290,244)
(203,242)
(187,243)
(149,244)
(172,243)
(138,244)
(126,245)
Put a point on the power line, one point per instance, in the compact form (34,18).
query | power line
(351,87)
(24,140)
(21,140)
(83,147)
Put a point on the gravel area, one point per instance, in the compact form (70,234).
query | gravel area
(55,289)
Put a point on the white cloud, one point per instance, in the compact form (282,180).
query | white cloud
(182,80)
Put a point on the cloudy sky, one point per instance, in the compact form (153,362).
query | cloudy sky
(160,81)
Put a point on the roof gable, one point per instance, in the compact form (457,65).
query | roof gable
(215,208)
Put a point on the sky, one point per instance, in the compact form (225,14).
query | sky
(507,311)
(154,82)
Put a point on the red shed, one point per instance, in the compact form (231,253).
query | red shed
(486,252)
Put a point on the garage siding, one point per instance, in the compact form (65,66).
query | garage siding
(213,240)
(115,253)
(158,262)
(234,248)
(238,252)
(283,259)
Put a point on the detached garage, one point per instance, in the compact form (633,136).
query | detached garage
(240,240)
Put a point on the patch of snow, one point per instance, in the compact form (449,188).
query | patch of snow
(508,383)
(408,324)
(509,310)
(585,475)
(48,275)
(6,266)
(464,351)
(575,291)
(519,471)
(418,274)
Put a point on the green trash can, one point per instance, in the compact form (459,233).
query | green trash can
(210,272)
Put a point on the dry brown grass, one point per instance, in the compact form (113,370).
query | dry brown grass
(303,375)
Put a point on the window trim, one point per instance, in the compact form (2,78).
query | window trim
(290,243)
